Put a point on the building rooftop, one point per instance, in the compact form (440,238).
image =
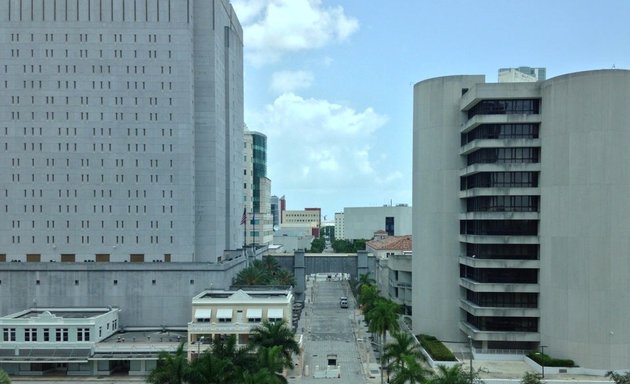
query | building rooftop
(65,313)
(394,243)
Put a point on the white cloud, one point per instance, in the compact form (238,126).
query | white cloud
(314,142)
(290,81)
(274,27)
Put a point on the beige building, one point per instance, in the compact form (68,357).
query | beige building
(217,313)
(309,220)
(393,267)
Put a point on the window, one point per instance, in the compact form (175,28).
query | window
(61,334)
(30,334)
(8,334)
(46,334)
(83,334)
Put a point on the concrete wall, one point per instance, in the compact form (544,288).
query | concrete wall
(148,294)
(436,204)
(318,263)
(584,227)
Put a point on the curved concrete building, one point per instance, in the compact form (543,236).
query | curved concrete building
(522,215)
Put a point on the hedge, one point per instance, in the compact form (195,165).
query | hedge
(550,361)
(436,349)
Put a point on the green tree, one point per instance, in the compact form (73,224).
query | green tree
(211,369)
(368,296)
(171,368)
(403,345)
(251,276)
(535,378)
(282,277)
(4,377)
(383,317)
(343,246)
(261,376)
(364,279)
(272,360)
(270,334)
(450,375)
(318,245)
(270,264)
(411,372)
(358,245)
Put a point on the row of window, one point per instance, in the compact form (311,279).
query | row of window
(502,204)
(49,53)
(84,116)
(504,156)
(503,299)
(499,275)
(50,224)
(99,258)
(104,147)
(503,251)
(105,193)
(505,107)
(84,37)
(101,11)
(501,131)
(45,334)
(82,100)
(500,180)
(503,324)
(85,239)
(102,84)
(499,227)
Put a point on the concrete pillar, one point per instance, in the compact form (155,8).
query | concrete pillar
(362,264)
(298,272)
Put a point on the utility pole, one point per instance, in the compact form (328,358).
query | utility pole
(542,359)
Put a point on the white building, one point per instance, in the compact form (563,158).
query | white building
(393,273)
(218,313)
(521,214)
(522,75)
(121,128)
(362,222)
(307,221)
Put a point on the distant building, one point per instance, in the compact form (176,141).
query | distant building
(257,190)
(521,226)
(218,313)
(275,211)
(339,226)
(393,267)
(522,75)
(309,220)
(362,222)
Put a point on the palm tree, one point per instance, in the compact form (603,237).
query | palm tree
(403,345)
(383,317)
(211,369)
(368,295)
(4,377)
(411,372)
(261,376)
(251,276)
(270,334)
(282,277)
(270,264)
(226,348)
(364,279)
(450,375)
(272,360)
(171,368)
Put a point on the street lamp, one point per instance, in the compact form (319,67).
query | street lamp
(471,358)
(542,359)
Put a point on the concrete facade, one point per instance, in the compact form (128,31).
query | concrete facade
(148,294)
(257,190)
(121,130)
(521,203)
(362,222)
(339,226)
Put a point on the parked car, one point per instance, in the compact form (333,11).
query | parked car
(343,302)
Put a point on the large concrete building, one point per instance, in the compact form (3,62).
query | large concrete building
(121,128)
(521,214)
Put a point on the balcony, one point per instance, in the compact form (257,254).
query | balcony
(499,167)
(223,328)
(503,191)
(513,118)
(499,263)
(498,287)
(500,215)
(498,239)
(488,91)
(498,143)
(479,335)
(476,310)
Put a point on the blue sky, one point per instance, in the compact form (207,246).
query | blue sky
(330,82)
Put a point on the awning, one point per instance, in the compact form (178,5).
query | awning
(254,313)
(224,313)
(203,313)
(45,355)
(275,313)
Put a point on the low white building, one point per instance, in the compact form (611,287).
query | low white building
(219,313)
(79,342)
(393,267)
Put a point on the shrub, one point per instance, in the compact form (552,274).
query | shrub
(436,349)
(549,361)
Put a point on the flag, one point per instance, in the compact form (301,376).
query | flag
(244,218)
